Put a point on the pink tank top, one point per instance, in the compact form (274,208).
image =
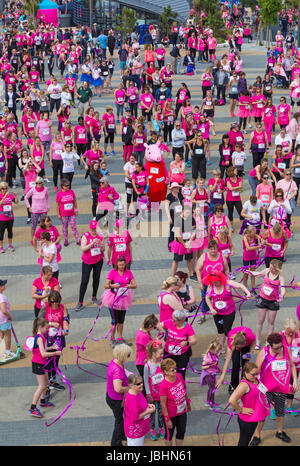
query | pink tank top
(215,227)
(259,139)
(36,354)
(37,155)
(276,372)
(276,246)
(270,289)
(224,248)
(250,255)
(93,255)
(154,383)
(165,311)
(55,315)
(255,400)
(210,266)
(223,303)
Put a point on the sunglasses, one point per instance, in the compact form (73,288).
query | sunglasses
(265,177)
(138,384)
(288,174)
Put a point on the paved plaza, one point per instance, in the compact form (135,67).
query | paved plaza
(89,421)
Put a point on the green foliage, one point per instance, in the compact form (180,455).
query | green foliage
(166,18)
(269,11)
(214,19)
(31,8)
(125,22)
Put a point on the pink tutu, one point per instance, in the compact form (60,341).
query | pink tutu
(178,248)
(199,243)
(111,300)
(243,112)
(257,112)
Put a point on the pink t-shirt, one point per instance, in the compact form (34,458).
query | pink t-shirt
(176,395)
(124,280)
(115,372)
(146,100)
(250,337)
(66,202)
(80,134)
(120,246)
(3,317)
(38,283)
(141,340)
(176,336)
(264,193)
(30,177)
(6,209)
(133,407)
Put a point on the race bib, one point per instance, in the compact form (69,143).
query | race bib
(81,136)
(261,145)
(38,158)
(198,151)
(157,378)
(281,166)
(7,208)
(276,247)
(220,305)
(235,193)
(186,235)
(181,408)
(217,196)
(279,365)
(265,197)
(120,247)
(68,206)
(95,252)
(46,131)
(267,290)
(174,349)
(262,388)
(239,139)
(154,170)
(139,140)
(68,165)
(111,126)
(129,190)
(259,105)
(147,99)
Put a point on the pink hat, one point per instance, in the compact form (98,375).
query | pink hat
(119,222)
(93,224)
(175,185)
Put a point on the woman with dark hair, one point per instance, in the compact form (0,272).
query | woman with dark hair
(118,298)
(142,338)
(225,151)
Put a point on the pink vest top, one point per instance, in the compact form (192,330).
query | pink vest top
(215,227)
(36,354)
(210,266)
(255,400)
(276,372)
(250,255)
(165,311)
(154,383)
(270,289)
(223,303)
(93,255)
(276,248)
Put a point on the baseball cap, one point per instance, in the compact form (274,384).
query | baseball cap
(93,224)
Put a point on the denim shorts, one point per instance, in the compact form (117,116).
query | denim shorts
(6,326)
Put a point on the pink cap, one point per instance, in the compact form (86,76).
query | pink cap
(93,224)
(119,222)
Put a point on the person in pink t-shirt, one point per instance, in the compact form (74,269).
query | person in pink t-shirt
(66,208)
(119,244)
(174,402)
(181,337)
(137,412)
(142,338)
(6,215)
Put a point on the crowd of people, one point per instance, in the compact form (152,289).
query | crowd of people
(46,74)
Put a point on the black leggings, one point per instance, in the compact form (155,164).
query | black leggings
(6,225)
(247,430)
(168,132)
(234,204)
(57,169)
(179,423)
(224,323)
(243,122)
(86,271)
(117,409)
(133,109)
(11,171)
(237,362)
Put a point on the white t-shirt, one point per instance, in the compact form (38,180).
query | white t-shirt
(52,88)
(239,158)
(130,168)
(298,139)
(253,210)
(3,317)
(68,166)
(279,140)
(48,251)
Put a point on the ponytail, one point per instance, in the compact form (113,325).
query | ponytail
(38,322)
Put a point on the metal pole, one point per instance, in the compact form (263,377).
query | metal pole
(91,14)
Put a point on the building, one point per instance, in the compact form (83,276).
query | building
(106,11)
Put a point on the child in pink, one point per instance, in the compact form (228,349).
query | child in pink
(210,368)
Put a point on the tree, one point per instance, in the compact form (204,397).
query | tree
(31,8)
(126,21)
(214,18)
(269,10)
(166,18)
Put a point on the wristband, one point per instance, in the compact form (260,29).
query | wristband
(167,419)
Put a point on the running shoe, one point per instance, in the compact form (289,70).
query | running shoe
(283,436)
(47,404)
(56,386)
(66,243)
(153,435)
(28,220)
(55,189)
(201,320)
(2,251)
(254,442)
(79,307)
(188,163)
(96,301)
(112,343)
(113,152)
(11,248)
(10,354)
(35,412)
(194,278)
(291,410)
(121,341)
(161,433)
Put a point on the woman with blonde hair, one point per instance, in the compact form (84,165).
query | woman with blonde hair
(168,300)
(116,388)
(290,339)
